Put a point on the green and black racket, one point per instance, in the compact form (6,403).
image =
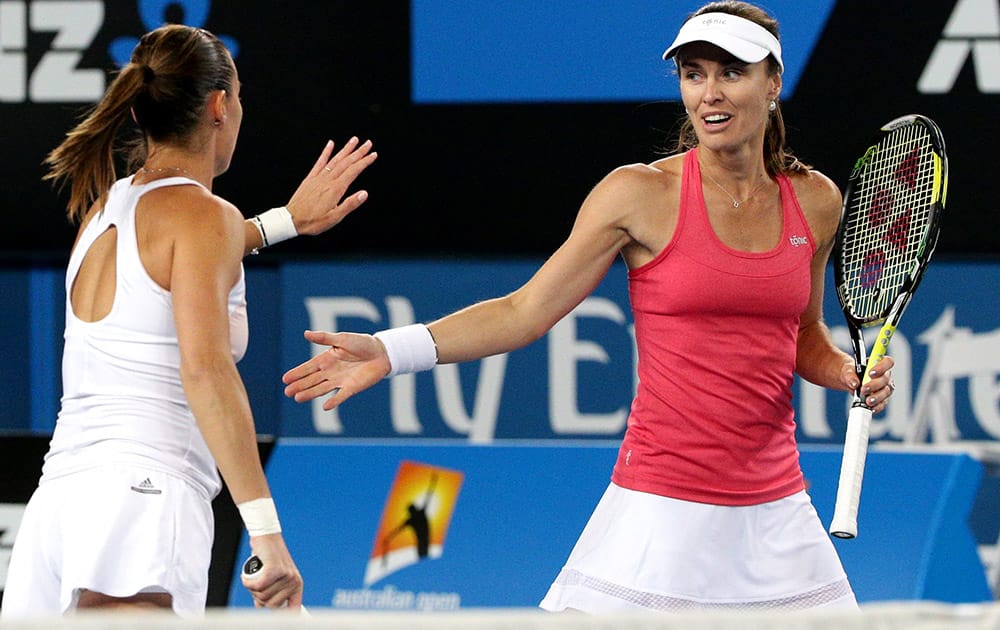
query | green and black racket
(888,230)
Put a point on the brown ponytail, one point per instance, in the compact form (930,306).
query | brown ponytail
(164,87)
(86,157)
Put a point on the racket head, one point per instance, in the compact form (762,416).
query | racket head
(891,218)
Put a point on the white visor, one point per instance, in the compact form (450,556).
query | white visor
(741,38)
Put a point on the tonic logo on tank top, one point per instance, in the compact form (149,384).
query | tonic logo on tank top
(796,240)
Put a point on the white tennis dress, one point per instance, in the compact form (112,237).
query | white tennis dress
(124,502)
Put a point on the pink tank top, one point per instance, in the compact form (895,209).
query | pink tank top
(716,329)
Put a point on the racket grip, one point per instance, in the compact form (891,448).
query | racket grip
(252,566)
(852,471)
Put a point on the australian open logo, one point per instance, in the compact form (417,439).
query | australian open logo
(412,529)
(798,240)
(415,518)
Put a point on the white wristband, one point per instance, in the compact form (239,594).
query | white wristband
(275,225)
(260,517)
(410,348)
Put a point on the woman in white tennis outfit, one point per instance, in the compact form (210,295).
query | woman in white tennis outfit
(726,244)
(153,406)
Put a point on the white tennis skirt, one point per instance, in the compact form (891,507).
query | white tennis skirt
(114,529)
(641,551)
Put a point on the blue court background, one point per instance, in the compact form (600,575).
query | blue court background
(522,505)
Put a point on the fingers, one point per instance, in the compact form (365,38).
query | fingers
(880,388)
(321,337)
(310,379)
(353,202)
(323,158)
(315,386)
(303,375)
(357,162)
(315,364)
(312,384)
(849,376)
(277,582)
(279,595)
(333,165)
(334,401)
(883,366)
(348,149)
(284,592)
(349,155)
(352,363)
(317,204)
(295,601)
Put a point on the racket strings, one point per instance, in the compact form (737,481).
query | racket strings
(888,213)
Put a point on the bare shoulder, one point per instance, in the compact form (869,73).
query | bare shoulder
(193,220)
(636,204)
(659,174)
(635,186)
(198,199)
(821,202)
(630,176)
(197,209)
(814,186)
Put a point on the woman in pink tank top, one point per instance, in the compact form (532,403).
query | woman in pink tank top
(728,239)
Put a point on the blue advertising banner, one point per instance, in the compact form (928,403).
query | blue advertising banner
(417,525)
(479,51)
(564,386)
(578,380)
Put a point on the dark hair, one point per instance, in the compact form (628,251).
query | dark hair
(778,159)
(165,86)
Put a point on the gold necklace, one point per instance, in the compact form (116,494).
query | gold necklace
(165,169)
(736,202)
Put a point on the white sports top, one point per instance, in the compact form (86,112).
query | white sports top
(123,401)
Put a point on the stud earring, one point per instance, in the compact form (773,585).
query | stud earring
(773,106)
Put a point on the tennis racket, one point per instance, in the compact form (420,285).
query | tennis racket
(253,565)
(888,230)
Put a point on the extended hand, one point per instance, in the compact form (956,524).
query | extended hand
(317,204)
(353,363)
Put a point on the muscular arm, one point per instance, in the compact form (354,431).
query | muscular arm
(605,224)
(563,281)
(207,250)
(818,360)
(206,265)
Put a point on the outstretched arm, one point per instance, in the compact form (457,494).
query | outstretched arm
(318,203)
(355,362)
